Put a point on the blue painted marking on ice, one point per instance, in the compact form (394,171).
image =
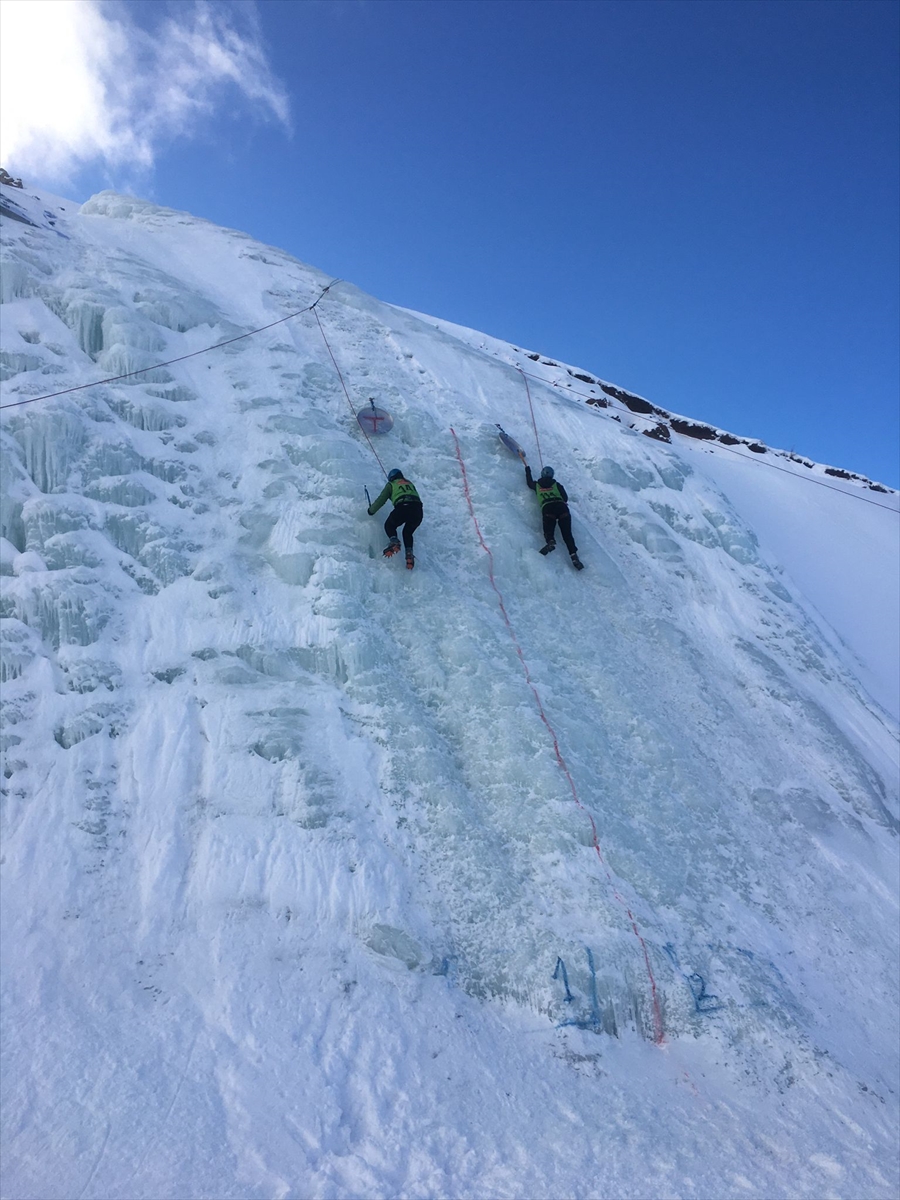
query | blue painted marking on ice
(704,1002)
(594,1021)
(673,955)
(595,1007)
(561,967)
(707,1002)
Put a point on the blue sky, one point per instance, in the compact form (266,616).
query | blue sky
(696,201)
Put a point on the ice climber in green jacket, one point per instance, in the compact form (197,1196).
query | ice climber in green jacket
(553,500)
(407,512)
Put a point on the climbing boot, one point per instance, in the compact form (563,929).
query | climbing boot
(577,563)
(551,545)
(393,547)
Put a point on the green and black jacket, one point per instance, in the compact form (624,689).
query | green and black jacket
(554,493)
(401,491)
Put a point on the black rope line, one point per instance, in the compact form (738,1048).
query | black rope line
(181,358)
(346,393)
(525,374)
(762,462)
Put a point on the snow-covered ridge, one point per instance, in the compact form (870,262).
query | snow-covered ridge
(298,898)
(653,421)
(650,419)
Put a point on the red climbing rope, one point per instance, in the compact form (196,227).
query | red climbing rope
(658,1031)
(531,410)
(346,393)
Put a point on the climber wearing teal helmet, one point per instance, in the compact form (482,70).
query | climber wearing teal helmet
(553,500)
(407,512)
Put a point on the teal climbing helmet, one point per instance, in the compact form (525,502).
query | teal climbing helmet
(547,473)
(395,474)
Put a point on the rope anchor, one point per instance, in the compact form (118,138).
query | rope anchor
(362,426)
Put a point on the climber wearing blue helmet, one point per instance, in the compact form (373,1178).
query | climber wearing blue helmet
(407,512)
(553,500)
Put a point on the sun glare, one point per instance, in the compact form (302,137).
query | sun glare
(52,104)
(81,82)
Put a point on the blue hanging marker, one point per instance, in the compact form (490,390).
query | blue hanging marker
(374,420)
(510,443)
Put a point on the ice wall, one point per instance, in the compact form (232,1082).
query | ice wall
(258,743)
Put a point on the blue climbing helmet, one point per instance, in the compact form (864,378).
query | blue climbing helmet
(395,474)
(547,473)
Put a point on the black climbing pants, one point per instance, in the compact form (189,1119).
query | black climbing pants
(557,511)
(409,515)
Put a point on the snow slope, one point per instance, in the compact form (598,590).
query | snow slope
(323,878)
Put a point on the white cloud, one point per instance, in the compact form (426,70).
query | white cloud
(81,83)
